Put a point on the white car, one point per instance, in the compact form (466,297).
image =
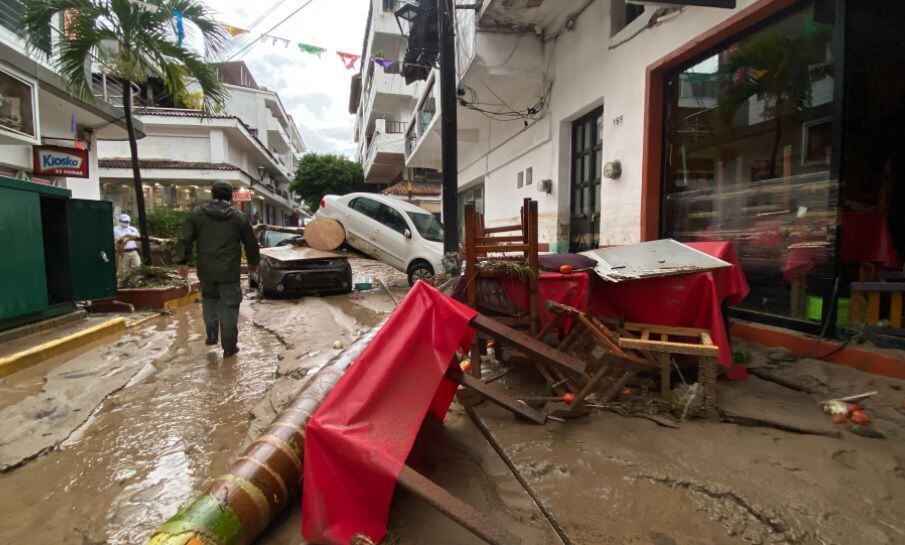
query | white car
(398,233)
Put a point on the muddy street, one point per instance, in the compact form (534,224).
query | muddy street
(104,445)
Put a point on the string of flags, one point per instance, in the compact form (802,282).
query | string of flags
(349,60)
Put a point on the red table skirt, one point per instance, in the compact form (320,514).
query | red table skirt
(692,300)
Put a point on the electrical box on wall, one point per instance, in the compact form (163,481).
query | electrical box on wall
(728,4)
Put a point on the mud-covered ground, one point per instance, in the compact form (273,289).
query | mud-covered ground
(105,445)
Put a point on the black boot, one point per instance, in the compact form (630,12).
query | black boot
(211,340)
(230,352)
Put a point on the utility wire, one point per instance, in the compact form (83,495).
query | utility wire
(264,15)
(271,29)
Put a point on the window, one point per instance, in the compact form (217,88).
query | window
(622,14)
(368,207)
(748,150)
(427,225)
(529,176)
(521,180)
(391,218)
(17,112)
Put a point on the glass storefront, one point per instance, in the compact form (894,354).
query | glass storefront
(157,195)
(749,140)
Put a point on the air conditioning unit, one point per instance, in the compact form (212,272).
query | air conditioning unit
(728,4)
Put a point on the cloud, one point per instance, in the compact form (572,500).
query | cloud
(314,90)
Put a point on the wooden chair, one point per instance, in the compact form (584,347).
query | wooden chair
(506,244)
(875,292)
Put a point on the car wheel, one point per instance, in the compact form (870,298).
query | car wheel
(420,270)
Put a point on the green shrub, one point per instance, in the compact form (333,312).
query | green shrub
(164,223)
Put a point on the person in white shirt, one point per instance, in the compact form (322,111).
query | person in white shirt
(128,258)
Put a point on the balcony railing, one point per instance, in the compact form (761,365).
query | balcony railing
(395,127)
(392,5)
(422,120)
(11,12)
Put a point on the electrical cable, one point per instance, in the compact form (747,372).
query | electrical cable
(271,29)
(264,15)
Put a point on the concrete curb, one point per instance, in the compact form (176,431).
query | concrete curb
(35,355)
(142,321)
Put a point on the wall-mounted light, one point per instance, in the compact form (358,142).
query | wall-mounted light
(407,12)
(612,170)
(545,186)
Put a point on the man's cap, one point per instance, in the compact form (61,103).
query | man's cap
(125,218)
(222,187)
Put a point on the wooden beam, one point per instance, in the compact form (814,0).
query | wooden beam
(668,330)
(527,344)
(671,347)
(501,248)
(454,508)
(497,396)
(503,229)
(886,287)
(496,240)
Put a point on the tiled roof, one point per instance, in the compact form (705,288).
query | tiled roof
(177,112)
(421,189)
(164,164)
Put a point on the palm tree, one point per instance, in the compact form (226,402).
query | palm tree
(132,41)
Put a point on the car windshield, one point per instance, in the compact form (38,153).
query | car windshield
(272,238)
(427,225)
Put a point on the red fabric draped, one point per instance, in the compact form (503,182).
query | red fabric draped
(358,440)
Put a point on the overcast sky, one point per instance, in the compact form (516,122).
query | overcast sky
(315,91)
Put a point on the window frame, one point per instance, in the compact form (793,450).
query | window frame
(380,218)
(33,85)
(356,199)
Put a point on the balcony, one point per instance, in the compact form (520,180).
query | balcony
(386,94)
(422,137)
(386,155)
(384,20)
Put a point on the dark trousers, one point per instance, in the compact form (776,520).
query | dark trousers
(220,306)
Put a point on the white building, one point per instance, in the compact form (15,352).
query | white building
(254,144)
(37,109)
(732,124)
(381,99)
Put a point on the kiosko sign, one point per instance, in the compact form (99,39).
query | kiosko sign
(60,161)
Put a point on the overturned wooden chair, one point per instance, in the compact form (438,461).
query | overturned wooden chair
(508,252)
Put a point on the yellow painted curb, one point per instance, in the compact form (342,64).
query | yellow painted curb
(35,355)
(142,321)
(189,299)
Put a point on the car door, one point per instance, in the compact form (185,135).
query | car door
(362,219)
(389,237)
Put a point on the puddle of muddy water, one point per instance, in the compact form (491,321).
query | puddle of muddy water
(148,448)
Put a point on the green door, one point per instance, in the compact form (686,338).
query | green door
(24,286)
(92,259)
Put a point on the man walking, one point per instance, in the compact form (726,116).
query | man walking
(127,250)
(220,232)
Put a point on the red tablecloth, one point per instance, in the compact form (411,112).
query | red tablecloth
(866,239)
(692,300)
(358,440)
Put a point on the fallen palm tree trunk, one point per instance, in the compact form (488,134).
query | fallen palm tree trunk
(239,505)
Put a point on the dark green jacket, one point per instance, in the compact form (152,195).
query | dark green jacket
(219,230)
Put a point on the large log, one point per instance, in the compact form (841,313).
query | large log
(324,234)
(238,506)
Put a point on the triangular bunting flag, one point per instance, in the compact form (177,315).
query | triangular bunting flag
(233,30)
(312,49)
(385,63)
(348,59)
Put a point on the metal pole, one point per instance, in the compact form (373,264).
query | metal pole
(449,130)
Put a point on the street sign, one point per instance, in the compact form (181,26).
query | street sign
(241,196)
(60,161)
(730,4)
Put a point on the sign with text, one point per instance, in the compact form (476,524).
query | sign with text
(241,196)
(730,4)
(60,161)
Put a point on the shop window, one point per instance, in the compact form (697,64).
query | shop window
(520,180)
(748,152)
(17,113)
